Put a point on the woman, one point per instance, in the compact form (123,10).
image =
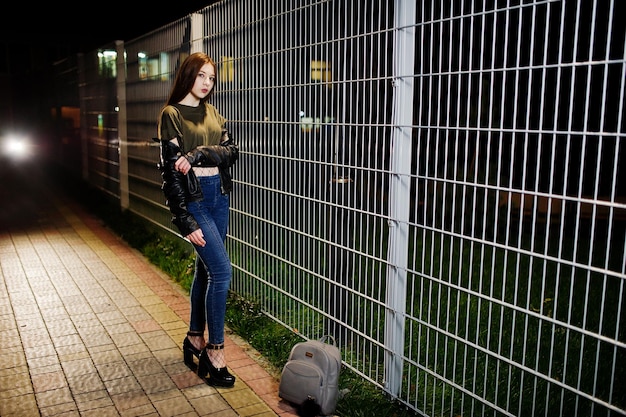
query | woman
(196,156)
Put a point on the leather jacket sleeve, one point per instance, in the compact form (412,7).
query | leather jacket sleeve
(175,188)
(223,155)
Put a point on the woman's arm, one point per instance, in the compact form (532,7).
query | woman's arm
(224,154)
(174,188)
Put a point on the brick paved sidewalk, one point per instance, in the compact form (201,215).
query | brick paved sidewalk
(88,327)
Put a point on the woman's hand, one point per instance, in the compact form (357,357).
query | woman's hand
(196,237)
(182,165)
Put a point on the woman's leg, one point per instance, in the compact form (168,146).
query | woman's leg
(197,296)
(212,215)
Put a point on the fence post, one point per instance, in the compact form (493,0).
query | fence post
(197,34)
(84,133)
(122,130)
(400,188)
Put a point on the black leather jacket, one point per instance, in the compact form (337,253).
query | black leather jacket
(179,188)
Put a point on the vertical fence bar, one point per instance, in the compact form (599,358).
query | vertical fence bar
(399,200)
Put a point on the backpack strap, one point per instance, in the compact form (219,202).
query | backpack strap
(327,338)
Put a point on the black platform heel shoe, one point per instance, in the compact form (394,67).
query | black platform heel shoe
(218,377)
(190,351)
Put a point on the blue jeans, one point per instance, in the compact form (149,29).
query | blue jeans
(213,270)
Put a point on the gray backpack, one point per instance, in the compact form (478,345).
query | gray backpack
(312,374)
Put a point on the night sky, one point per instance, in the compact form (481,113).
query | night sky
(34,36)
(88,25)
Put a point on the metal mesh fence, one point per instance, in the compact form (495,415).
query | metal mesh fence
(440,186)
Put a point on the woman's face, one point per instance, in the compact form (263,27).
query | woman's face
(205,80)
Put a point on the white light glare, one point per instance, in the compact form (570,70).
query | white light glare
(16,147)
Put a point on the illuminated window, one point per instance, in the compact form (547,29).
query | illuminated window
(320,71)
(153,68)
(227,69)
(142,61)
(107,65)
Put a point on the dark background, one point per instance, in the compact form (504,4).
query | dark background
(36,36)
(85,26)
